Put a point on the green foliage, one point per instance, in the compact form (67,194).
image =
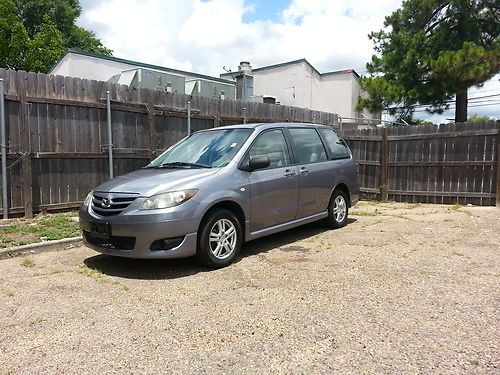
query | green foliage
(477,118)
(34,34)
(431,50)
(62,13)
(44,48)
(13,37)
(419,122)
(86,40)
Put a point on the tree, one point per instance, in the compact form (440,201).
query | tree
(479,118)
(431,51)
(34,34)
(13,37)
(45,47)
(63,13)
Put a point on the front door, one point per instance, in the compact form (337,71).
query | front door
(275,190)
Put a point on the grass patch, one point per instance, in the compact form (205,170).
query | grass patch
(27,262)
(366,213)
(460,208)
(101,277)
(18,232)
(413,205)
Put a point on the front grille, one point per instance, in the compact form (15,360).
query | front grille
(109,204)
(113,243)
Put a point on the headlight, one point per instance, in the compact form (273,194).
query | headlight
(166,200)
(88,198)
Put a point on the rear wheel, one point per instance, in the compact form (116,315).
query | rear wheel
(219,239)
(338,210)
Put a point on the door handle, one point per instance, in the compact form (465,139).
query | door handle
(303,171)
(289,173)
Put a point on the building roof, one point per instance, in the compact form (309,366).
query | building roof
(300,61)
(140,65)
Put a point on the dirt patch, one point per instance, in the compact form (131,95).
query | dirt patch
(401,289)
(300,249)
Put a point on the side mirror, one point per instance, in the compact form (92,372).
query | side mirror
(259,162)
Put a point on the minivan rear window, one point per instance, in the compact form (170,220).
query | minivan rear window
(308,146)
(337,148)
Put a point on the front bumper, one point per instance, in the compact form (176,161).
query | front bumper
(134,239)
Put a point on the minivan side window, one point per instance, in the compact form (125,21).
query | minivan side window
(273,145)
(336,145)
(308,146)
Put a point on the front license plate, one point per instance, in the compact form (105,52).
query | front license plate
(100,230)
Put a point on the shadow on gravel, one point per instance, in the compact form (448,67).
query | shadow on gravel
(285,239)
(144,269)
(158,269)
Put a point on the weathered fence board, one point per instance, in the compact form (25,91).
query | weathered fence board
(449,163)
(57,132)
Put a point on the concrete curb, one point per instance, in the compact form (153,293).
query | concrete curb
(39,246)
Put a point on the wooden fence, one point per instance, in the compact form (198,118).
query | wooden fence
(57,139)
(449,163)
(57,134)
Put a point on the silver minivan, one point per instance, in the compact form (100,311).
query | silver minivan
(212,191)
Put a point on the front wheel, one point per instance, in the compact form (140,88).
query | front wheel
(337,210)
(219,239)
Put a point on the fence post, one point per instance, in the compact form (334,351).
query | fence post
(25,144)
(5,202)
(148,99)
(110,135)
(497,203)
(384,169)
(189,117)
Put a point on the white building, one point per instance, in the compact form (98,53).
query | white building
(297,83)
(85,65)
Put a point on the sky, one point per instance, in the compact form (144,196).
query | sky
(204,36)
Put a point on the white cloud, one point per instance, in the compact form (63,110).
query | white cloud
(206,35)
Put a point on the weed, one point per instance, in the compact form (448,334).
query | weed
(366,213)
(412,206)
(27,262)
(474,362)
(460,208)
(37,321)
(11,254)
(84,270)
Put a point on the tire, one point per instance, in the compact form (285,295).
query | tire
(213,251)
(338,210)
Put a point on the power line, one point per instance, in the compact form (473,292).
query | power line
(469,106)
(470,100)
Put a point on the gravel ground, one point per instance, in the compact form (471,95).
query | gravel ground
(407,289)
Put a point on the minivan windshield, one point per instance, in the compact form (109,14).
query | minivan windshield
(207,149)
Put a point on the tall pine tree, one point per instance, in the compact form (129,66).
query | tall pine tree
(431,51)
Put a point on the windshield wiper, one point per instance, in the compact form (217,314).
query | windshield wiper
(183,164)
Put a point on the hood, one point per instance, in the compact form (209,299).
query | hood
(150,181)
